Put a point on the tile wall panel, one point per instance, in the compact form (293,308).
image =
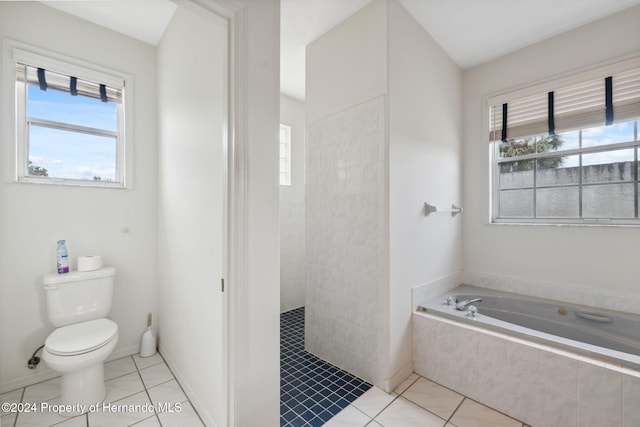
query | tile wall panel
(535,385)
(292,247)
(345,240)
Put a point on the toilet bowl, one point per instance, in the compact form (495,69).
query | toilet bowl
(78,352)
(77,304)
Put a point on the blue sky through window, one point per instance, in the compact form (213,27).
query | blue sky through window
(597,136)
(69,154)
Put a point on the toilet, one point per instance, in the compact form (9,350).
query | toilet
(77,305)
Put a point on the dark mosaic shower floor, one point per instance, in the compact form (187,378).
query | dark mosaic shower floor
(311,390)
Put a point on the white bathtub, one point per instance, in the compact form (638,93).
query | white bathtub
(539,377)
(603,334)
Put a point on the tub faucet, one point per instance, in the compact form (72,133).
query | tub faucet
(463,304)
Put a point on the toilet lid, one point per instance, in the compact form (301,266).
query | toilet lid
(81,337)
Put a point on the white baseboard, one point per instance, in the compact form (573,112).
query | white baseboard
(123,352)
(207,419)
(392,383)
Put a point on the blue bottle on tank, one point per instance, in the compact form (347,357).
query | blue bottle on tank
(62,257)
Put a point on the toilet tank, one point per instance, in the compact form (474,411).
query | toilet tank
(78,296)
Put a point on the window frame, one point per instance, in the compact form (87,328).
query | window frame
(16,135)
(545,86)
(635,181)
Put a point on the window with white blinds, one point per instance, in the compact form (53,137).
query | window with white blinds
(579,101)
(567,151)
(70,122)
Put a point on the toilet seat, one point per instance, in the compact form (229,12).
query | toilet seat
(82,337)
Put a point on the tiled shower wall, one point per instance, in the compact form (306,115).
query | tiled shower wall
(346,258)
(292,249)
(292,268)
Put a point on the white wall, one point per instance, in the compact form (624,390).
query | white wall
(600,258)
(92,220)
(347,65)
(425,165)
(292,209)
(191,206)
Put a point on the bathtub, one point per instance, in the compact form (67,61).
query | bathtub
(542,362)
(604,334)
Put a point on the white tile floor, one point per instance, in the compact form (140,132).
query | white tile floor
(148,382)
(135,385)
(421,403)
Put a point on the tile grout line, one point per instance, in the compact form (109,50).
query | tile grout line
(15,420)
(179,385)
(411,402)
(310,386)
(465,397)
(457,407)
(146,390)
(387,405)
(494,410)
(393,400)
(137,369)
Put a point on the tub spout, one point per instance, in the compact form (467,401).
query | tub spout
(463,304)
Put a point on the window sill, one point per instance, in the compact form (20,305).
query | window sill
(71,183)
(566,224)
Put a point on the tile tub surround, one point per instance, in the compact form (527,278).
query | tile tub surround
(131,380)
(312,391)
(542,321)
(535,383)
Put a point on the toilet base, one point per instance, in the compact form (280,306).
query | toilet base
(82,381)
(82,389)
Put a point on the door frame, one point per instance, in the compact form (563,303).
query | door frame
(253,395)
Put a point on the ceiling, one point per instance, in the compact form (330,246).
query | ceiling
(143,20)
(470,31)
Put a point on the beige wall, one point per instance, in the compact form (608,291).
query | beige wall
(601,258)
(120,225)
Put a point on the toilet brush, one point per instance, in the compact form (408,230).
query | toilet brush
(148,343)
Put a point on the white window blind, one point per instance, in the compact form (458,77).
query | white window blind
(578,102)
(61,82)
(580,105)
(626,94)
